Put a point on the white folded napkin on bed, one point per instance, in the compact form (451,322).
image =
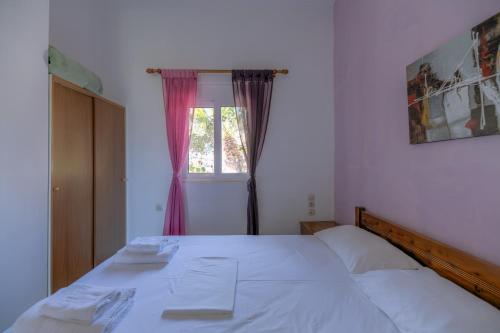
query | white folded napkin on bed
(207,288)
(33,321)
(80,303)
(147,245)
(164,256)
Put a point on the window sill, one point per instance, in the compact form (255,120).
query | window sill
(216,179)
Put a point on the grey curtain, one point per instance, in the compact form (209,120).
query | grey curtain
(252,91)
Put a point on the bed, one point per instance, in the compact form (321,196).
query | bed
(285,283)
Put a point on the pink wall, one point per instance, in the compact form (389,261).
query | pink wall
(450,190)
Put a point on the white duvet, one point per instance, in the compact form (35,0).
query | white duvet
(286,284)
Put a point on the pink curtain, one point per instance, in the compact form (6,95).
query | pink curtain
(179,95)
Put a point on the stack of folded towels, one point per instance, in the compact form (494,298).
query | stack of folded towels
(147,250)
(99,308)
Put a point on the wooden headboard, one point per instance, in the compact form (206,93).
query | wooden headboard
(475,275)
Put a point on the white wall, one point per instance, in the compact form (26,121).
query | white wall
(213,208)
(74,30)
(298,156)
(24,35)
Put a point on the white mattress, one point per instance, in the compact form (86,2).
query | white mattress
(285,284)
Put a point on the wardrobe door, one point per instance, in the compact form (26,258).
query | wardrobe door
(109,169)
(72,185)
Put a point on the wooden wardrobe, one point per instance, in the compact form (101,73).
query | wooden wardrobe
(88,219)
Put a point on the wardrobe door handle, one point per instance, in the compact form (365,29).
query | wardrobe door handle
(57,189)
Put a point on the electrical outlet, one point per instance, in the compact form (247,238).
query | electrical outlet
(311,204)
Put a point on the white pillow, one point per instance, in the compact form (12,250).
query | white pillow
(362,251)
(422,301)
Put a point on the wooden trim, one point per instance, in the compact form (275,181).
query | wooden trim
(471,273)
(359,215)
(57,79)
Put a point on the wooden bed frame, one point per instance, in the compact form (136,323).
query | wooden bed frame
(473,274)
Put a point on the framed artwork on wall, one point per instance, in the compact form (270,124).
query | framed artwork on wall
(454,91)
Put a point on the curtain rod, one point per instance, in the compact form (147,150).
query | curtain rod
(215,71)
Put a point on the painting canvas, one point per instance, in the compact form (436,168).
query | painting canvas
(454,92)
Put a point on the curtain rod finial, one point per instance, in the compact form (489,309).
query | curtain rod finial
(153,70)
(280,71)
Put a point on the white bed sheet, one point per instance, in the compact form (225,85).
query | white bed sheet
(285,284)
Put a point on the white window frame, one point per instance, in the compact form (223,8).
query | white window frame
(217,175)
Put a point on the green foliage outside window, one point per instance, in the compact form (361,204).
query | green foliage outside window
(201,149)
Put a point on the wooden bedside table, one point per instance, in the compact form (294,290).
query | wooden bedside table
(309,228)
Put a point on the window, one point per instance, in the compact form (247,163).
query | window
(202,141)
(215,147)
(233,153)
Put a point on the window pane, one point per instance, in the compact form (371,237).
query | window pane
(201,144)
(233,153)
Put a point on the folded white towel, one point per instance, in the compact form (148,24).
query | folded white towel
(125,257)
(80,303)
(32,321)
(147,245)
(112,317)
(207,288)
